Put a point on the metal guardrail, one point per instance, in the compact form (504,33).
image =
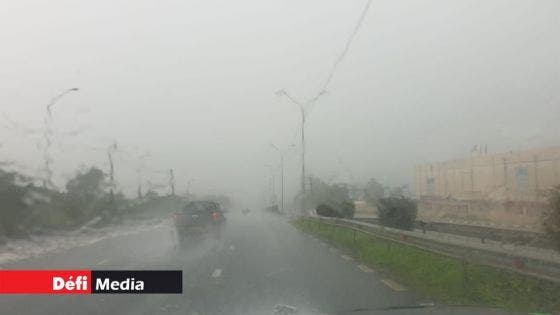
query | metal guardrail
(518,237)
(482,254)
(483,233)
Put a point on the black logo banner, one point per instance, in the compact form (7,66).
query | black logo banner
(137,281)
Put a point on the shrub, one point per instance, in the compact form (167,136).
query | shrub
(346,209)
(336,210)
(324,210)
(397,212)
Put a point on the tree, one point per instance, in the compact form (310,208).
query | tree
(551,217)
(90,183)
(400,191)
(21,204)
(13,209)
(85,196)
(374,191)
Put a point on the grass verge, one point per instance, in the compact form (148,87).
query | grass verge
(448,280)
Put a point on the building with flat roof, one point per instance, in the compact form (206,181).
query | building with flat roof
(504,188)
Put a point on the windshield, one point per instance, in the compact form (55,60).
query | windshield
(280,157)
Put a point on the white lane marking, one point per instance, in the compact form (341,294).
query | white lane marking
(232,247)
(169,307)
(103,261)
(346,257)
(393,285)
(365,268)
(217,273)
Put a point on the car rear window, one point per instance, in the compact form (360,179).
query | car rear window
(200,207)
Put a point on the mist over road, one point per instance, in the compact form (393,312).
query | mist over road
(260,261)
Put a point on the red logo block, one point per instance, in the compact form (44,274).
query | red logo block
(45,281)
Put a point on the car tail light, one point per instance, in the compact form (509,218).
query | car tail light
(216,216)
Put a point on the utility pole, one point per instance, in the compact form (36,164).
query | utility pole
(172,182)
(111,176)
(139,170)
(110,150)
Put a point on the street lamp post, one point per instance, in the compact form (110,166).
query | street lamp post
(310,103)
(303,114)
(189,188)
(302,150)
(48,133)
(281,176)
(57,98)
(272,180)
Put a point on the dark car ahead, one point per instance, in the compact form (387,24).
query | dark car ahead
(199,218)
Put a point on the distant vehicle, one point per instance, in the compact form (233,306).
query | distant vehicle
(273,208)
(246,211)
(199,218)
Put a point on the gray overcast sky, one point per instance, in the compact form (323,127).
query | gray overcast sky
(193,82)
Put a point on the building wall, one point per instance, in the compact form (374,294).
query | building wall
(364,210)
(522,175)
(503,188)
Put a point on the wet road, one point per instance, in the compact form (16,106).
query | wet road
(259,261)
